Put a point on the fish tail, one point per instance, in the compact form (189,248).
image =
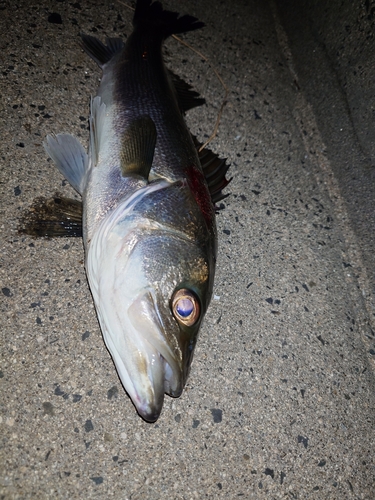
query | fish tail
(151,15)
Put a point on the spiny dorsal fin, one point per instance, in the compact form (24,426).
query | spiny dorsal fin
(187,98)
(99,52)
(214,170)
(138,146)
(52,217)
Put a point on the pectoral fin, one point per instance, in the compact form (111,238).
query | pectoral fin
(97,131)
(138,146)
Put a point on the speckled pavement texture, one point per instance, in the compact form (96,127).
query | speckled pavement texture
(280,400)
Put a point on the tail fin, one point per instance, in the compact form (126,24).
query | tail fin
(152,15)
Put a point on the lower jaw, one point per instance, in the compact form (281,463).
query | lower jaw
(171,387)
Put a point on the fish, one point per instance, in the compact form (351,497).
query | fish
(149,194)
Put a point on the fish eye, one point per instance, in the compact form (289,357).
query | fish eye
(185,307)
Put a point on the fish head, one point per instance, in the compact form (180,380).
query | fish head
(151,288)
(168,311)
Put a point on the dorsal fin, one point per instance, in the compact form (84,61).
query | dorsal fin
(187,98)
(99,52)
(214,170)
(138,146)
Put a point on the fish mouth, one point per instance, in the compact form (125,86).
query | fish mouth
(147,355)
(151,407)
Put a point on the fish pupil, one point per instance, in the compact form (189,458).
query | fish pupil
(185,307)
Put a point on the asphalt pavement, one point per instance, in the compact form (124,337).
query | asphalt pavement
(280,399)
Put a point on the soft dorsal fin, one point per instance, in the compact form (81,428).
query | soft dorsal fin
(99,52)
(187,98)
(138,146)
(214,170)
(70,158)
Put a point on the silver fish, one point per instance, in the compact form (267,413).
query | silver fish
(148,209)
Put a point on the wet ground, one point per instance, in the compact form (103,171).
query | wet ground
(280,400)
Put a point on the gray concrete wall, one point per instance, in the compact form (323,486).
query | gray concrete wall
(342,31)
(332,47)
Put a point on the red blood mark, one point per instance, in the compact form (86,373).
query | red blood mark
(198,187)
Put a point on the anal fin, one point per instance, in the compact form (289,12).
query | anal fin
(70,158)
(99,52)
